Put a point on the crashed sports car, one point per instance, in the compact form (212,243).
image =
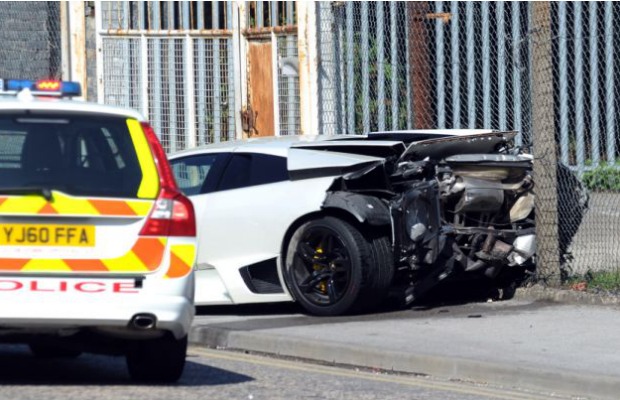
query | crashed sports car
(338,222)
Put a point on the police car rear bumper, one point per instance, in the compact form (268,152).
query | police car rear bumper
(113,314)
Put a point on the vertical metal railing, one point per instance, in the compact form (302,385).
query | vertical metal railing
(563,81)
(408,72)
(231,95)
(517,67)
(501,65)
(486,66)
(156,105)
(350,69)
(171,60)
(455,64)
(395,67)
(610,94)
(471,65)
(201,76)
(217,79)
(365,70)
(381,65)
(579,87)
(440,67)
(594,84)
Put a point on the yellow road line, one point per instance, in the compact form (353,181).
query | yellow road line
(409,380)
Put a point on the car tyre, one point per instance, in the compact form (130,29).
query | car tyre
(159,360)
(381,271)
(332,269)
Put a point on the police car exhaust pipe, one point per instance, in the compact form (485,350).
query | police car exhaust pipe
(143,322)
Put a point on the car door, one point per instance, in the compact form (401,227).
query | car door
(242,221)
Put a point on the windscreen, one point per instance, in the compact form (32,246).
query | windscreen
(81,155)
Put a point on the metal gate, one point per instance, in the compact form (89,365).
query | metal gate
(185,66)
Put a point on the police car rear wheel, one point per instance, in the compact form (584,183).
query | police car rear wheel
(157,360)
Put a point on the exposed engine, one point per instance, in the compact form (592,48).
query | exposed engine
(458,206)
(475,216)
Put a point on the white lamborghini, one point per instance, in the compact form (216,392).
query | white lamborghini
(335,222)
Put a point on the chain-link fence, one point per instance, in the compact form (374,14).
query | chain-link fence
(31,40)
(549,73)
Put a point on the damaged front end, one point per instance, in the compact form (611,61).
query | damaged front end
(457,207)
(476,217)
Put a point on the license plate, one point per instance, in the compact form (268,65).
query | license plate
(47,235)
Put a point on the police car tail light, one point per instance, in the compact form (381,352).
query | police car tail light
(173,214)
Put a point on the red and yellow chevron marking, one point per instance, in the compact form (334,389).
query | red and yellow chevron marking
(65,205)
(149,187)
(182,258)
(145,256)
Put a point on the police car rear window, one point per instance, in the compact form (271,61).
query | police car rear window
(79,155)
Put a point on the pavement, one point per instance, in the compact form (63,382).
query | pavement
(559,342)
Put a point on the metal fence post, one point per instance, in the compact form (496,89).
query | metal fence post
(239,63)
(99,54)
(545,157)
(419,65)
(308,67)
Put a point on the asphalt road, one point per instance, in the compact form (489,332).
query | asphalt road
(218,374)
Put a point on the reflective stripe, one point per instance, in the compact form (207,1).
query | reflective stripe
(145,256)
(72,206)
(149,187)
(47,265)
(182,258)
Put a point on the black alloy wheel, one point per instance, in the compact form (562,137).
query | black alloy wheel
(326,264)
(323,270)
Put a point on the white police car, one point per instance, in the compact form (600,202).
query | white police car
(97,244)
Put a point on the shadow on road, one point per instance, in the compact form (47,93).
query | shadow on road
(283,308)
(19,367)
(452,293)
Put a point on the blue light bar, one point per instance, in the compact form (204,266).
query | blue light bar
(18,84)
(44,87)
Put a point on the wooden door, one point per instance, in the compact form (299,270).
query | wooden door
(260,89)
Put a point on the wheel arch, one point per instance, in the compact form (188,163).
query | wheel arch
(326,212)
(337,212)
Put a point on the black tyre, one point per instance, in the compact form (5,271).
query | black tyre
(381,270)
(49,350)
(331,269)
(159,360)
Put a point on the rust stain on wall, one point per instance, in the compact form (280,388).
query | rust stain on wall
(260,91)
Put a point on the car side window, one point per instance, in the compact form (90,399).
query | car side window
(247,169)
(237,173)
(198,174)
(268,169)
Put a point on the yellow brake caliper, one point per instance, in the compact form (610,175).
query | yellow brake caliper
(317,267)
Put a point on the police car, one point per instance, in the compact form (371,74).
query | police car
(97,244)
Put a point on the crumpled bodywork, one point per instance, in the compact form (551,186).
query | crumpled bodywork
(455,206)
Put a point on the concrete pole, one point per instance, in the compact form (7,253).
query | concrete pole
(545,148)
(308,67)
(65,41)
(76,25)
